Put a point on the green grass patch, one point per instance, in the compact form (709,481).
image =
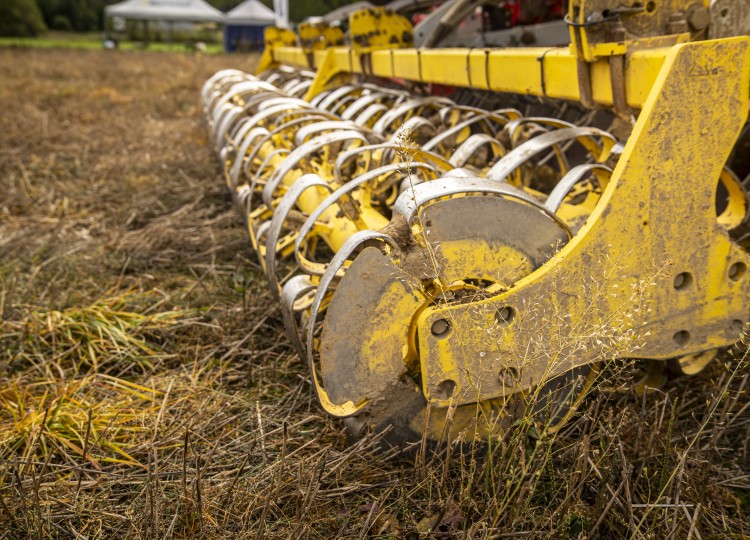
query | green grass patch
(69,40)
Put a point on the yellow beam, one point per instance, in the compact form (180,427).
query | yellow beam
(547,72)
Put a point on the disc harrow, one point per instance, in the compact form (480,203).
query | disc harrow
(368,205)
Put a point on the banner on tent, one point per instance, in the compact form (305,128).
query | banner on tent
(281,9)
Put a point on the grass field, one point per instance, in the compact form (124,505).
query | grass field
(147,390)
(71,40)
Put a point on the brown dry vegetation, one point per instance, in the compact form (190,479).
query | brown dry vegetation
(147,390)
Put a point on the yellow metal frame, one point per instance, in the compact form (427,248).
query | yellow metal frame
(319,36)
(613,289)
(548,72)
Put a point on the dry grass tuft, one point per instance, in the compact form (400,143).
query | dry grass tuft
(111,334)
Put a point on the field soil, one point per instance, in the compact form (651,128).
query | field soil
(147,389)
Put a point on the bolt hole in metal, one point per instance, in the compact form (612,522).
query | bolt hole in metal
(681,338)
(650,7)
(445,389)
(724,13)
(505,315)
(508,376)
(737,271)
(683,280)
(441,328)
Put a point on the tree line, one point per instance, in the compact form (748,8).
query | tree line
(33,17)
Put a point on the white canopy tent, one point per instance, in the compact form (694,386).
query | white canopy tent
(251,12)
(165,10)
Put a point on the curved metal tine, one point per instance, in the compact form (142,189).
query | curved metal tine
(303,183)
(405,108)
(299,153)
(226,83)
(266,115)
(218,81)
(318,98)
(331,99)
(295,288)
(221,74)
(502,115)
(311,130)
(413,125)
(263,75)
(245,87)
(257,234)
(309,117)
(512,128)
(229,122)
(469,147)
(238,131)
(354,243)
(309,113)
(289,84)
(251,102)
(248,139)
(519,155)
(360,103)
(285,75)
(256,177)
(438,162)
(218,93)
(208,102)
(312,267)
(369,113)
(218,129)
(283,100)
(241,195)
(409,183)
(218,115)
(273,78)
(459,173)
(574,175)
(540,124)
(263,114)
(455,130)
(395,113)
(342,104)
(409,202)
(300,89)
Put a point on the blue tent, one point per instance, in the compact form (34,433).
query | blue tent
(243,26)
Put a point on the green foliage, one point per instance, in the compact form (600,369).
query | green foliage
(61,22)
(82,15)
(29,17)
(20,18)
(299,10)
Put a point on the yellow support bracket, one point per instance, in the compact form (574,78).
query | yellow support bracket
(635,281)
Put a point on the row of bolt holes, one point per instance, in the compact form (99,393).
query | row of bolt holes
(684,280)
(441,328)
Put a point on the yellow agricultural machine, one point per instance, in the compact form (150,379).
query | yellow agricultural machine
(459,237)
